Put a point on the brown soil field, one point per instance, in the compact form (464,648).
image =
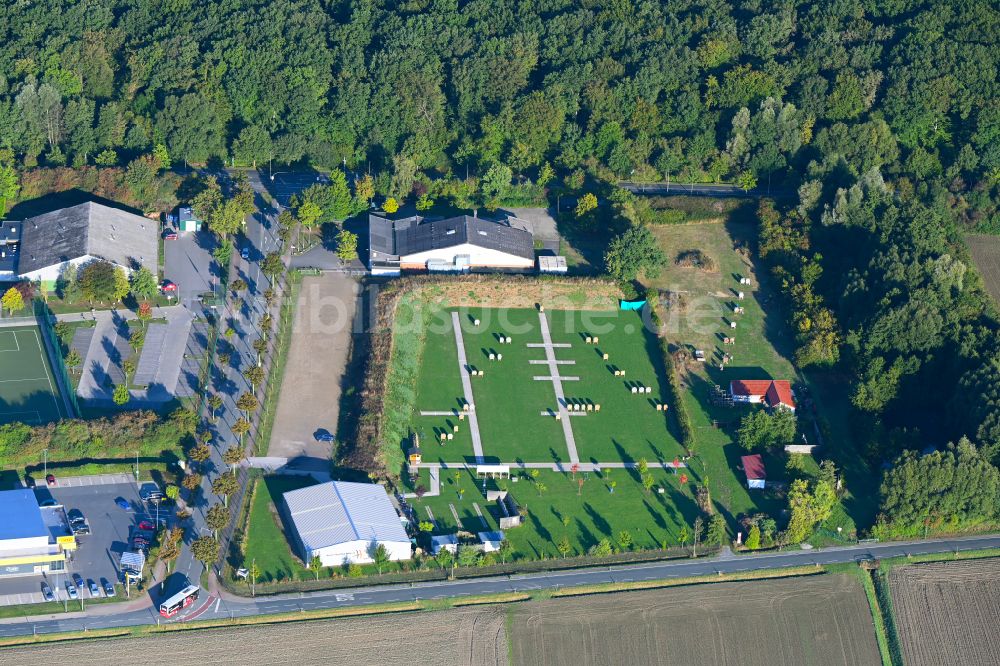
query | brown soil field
(516,291)
(986,253)
(817,620)
(948,612)
(469,636)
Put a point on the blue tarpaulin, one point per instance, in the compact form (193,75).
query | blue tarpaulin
(632,305)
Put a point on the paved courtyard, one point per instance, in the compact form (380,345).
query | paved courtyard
(321,342)
(188,263)
(541,224)
(167,366)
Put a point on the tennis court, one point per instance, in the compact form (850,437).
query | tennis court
(28,390)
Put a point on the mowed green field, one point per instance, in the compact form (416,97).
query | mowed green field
(559,507)
(28,390)
(514,410)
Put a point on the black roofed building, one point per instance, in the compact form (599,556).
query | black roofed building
(80,234)
(455,244)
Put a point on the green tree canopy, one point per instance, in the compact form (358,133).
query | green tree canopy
(762,429)
(634,251)
(954,488)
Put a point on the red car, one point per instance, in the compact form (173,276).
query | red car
(146,525)
(168,287)
(169,235)
(50,479)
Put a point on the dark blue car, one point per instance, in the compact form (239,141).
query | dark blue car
(123,503)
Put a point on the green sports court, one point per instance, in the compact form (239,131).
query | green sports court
(28,390)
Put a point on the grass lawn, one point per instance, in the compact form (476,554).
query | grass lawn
(763,348)
(563,509)
(628,426)
(510,402)
(265,539)
(439,389)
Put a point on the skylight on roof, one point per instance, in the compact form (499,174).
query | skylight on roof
(449,232)
(482,233)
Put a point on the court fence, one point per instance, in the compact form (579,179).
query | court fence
(45,320)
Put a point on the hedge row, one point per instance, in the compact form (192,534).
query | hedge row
(78,441)
(676,392)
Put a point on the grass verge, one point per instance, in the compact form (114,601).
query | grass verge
(277,372)
(880,581)
(763,574)
(881,634)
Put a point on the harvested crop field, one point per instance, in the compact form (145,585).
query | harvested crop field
(463,636)
(986,253)
(948,612)
(816,620)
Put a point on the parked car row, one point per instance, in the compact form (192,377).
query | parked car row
(76,584)
(78,523)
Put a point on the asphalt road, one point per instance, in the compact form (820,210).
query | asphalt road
(208,608)
(700,190)
(243,316)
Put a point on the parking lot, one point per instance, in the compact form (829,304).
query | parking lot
(285,184)
(97,554)
(188,263)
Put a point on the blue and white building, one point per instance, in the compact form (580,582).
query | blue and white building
(343,523)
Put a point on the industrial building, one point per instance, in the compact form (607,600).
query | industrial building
(41,247)
(343,523)
(465,243)
(33,539)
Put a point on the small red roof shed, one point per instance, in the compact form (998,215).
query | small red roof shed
(754,468)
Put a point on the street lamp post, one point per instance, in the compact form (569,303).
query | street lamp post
(45,463)
(136,468)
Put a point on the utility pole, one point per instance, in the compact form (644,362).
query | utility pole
(45,464)
(137,468)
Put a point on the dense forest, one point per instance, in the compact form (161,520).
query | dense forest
(787,91)
(875,123)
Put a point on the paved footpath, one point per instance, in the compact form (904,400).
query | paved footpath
(550,356)
(558,466)
(463,371)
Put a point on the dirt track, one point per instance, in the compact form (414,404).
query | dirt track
(321,341)
(948,612)
(473,636)
(817,620)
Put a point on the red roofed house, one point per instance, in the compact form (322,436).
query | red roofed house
(771,392)
(754,468)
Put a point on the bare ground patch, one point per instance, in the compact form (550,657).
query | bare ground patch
(819,620)
(986,253)
(320,347)
(948,612)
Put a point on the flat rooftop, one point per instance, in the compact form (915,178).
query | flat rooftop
(10,245)
(22,517)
